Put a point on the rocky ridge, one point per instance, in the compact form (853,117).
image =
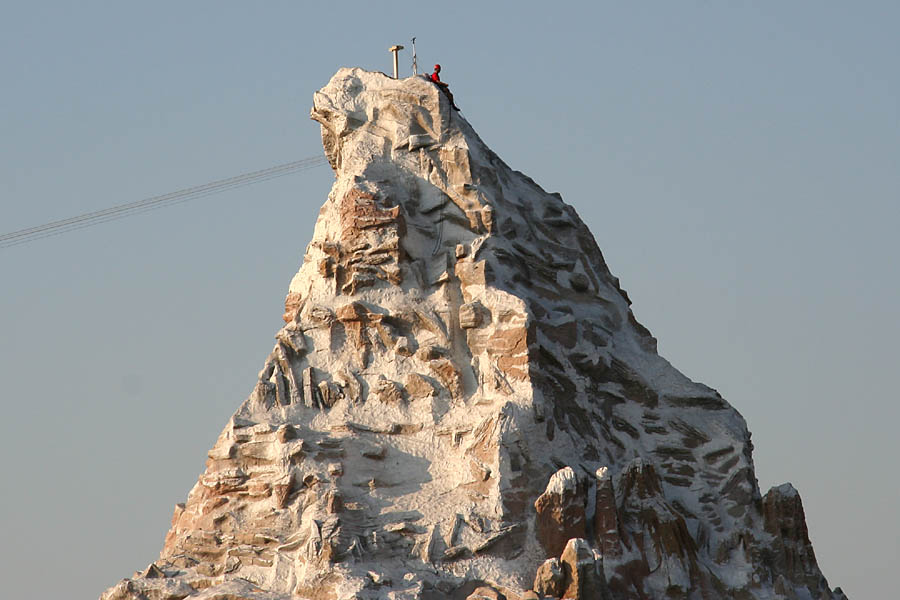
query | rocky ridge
(461,404)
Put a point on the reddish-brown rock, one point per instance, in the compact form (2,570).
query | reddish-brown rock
(583,572)
(549,579)
(793,552)
(292,305)
(560,512)
(606,516)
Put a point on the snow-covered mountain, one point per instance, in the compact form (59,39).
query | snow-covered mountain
(462,405)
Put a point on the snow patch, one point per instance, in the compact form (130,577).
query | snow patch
(562,481)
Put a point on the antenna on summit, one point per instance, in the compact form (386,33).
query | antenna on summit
(415,64)
(396,49)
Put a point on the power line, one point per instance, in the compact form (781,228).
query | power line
(121,211)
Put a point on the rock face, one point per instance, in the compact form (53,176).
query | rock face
(560,512)
(462,404)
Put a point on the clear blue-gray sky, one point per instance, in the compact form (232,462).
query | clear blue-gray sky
(737,163)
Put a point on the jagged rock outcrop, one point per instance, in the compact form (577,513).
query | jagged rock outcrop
(560,512)
(461,404)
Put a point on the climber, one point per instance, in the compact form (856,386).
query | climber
(436,79)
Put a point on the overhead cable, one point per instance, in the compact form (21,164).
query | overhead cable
(156,202)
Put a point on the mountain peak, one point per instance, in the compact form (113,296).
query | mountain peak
(461,403)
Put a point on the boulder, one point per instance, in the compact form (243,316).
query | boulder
(550,579)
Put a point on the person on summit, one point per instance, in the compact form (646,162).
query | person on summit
(436,79)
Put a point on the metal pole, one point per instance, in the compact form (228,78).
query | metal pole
(415,64)
(395,50)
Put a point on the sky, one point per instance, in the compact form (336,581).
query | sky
(738,164)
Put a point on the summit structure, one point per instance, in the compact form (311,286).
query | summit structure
(461,404)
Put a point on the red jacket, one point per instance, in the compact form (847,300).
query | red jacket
(435,77)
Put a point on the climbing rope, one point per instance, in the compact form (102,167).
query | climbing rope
(121,211)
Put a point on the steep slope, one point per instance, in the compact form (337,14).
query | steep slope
(461,403)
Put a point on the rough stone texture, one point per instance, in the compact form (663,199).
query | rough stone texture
(459,373)
(607,533)
(560,512)
(793,552)
(485,593)
(550,579)
(582,568)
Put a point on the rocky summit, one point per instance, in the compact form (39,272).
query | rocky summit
(461,404)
